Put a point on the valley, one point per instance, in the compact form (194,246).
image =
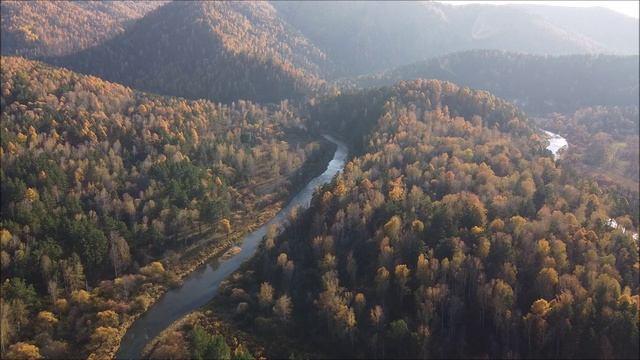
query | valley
(198,288)
(339,179)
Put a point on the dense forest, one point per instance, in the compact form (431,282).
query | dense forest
(47,28)
(100,182)
(221,51)
(538,84)
(452,234)
(145,144)
(604,145)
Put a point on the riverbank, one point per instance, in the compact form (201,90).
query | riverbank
(213,324)
(217,323)
(214,246)
(198,258)
(202,283)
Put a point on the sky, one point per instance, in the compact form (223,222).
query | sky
(629,8)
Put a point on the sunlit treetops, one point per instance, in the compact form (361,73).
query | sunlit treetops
(453,233)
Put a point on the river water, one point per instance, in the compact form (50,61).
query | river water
(556,143)
(201,285)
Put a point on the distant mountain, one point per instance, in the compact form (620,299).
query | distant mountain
(269,51)
(366,36)
(363,37)
(46,28)
(221,51)
(535,82)
(611,30)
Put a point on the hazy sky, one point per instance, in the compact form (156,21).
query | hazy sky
(629,8)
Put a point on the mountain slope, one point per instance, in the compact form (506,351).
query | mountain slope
(47,28)
(221,51)
(303,40)
(537,83)
(364,37)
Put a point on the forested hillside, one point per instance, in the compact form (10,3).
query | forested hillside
(604,144)
(100,182)
(46,28)
(539,84)
(362,37)
(452,234)
(222,51)
(267,51)
(153,155)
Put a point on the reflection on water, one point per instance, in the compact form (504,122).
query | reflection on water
(200,286)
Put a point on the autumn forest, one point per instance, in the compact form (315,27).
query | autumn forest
(302,180)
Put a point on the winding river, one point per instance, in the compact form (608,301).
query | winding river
(201,285)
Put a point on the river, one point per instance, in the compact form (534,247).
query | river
(556,143)
(201,285)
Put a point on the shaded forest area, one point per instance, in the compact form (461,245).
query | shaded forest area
(539,84)
(222,51)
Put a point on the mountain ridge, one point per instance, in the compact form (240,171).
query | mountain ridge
(538,83)
(214,50)
(41,28)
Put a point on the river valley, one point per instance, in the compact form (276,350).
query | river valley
(201,285)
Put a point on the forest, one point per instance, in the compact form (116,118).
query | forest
(452,234)
(605,145)
(99,182)
(338,179)
(47,28)
(539,84)
(250,54)
(269,51)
